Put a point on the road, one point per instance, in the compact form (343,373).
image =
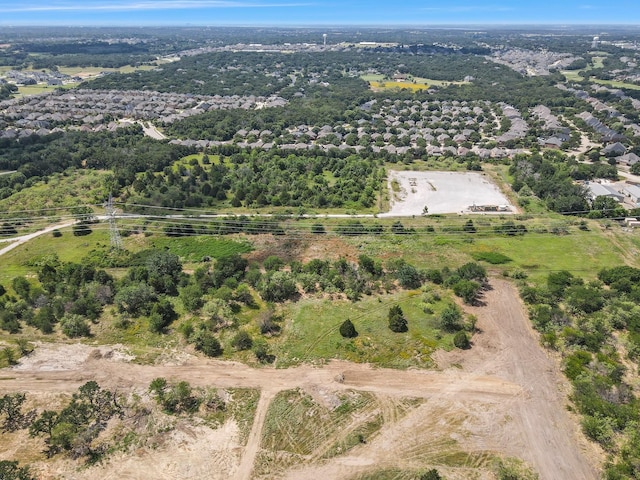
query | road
(17,241)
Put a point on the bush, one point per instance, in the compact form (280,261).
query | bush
(13,471)
(74,326)
(242,341)
(81,229)
(494,258)
(451,319)
(431,475)
(348,330)
(467,290)
(461,340)
(205,342)
(317,228)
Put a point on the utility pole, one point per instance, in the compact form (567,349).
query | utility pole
(114,235)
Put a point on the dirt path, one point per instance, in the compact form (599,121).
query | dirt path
(541,432)
(255,437)
(502,397)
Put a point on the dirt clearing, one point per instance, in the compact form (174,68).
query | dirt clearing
(504,397)
(443,192)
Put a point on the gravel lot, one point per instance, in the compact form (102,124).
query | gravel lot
(443,192)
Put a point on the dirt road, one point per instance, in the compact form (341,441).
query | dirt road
(17,241)
(502,397)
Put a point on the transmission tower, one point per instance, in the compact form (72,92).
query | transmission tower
(114,235)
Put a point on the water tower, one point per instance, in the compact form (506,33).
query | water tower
(596,42)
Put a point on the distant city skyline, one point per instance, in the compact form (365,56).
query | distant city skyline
(314,12)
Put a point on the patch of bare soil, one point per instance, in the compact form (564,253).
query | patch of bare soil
(302,249)
(504,397)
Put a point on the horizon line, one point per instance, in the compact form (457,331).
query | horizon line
(335,25)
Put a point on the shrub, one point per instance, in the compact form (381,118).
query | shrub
(397,322)
(242,341)
(348,330)
(451,318)
(74,326)
(205,342)
(494,258)
(461,340)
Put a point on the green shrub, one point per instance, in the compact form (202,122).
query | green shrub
(461,340)
(494,258)
(348,330)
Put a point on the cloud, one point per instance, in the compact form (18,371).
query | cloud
(124,6)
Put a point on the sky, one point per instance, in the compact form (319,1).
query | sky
(316,12)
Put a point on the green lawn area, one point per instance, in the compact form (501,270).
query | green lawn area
(375,77)
(615,84)
(312,331)
(582,253)
(96,70)
(194,249)
(24,260)
(27,90)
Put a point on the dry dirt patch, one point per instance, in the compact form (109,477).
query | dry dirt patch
(442,192)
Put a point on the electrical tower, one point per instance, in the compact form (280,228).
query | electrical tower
(114,235)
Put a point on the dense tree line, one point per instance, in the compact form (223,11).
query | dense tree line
(126,152)
(550,177)
(265,178)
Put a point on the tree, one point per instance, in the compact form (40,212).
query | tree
(135,299)
(397,322)
(11,408)
(348,330)
(191,297)
(409,277)
(278,287)
(162,314)
(164,270)
(472,271)
(469,227)
(557,282)
(451,318)
(22,287)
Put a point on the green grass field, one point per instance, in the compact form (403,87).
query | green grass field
(312,331)
(25,259)
(26,90)
(378,82)
(194,249)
